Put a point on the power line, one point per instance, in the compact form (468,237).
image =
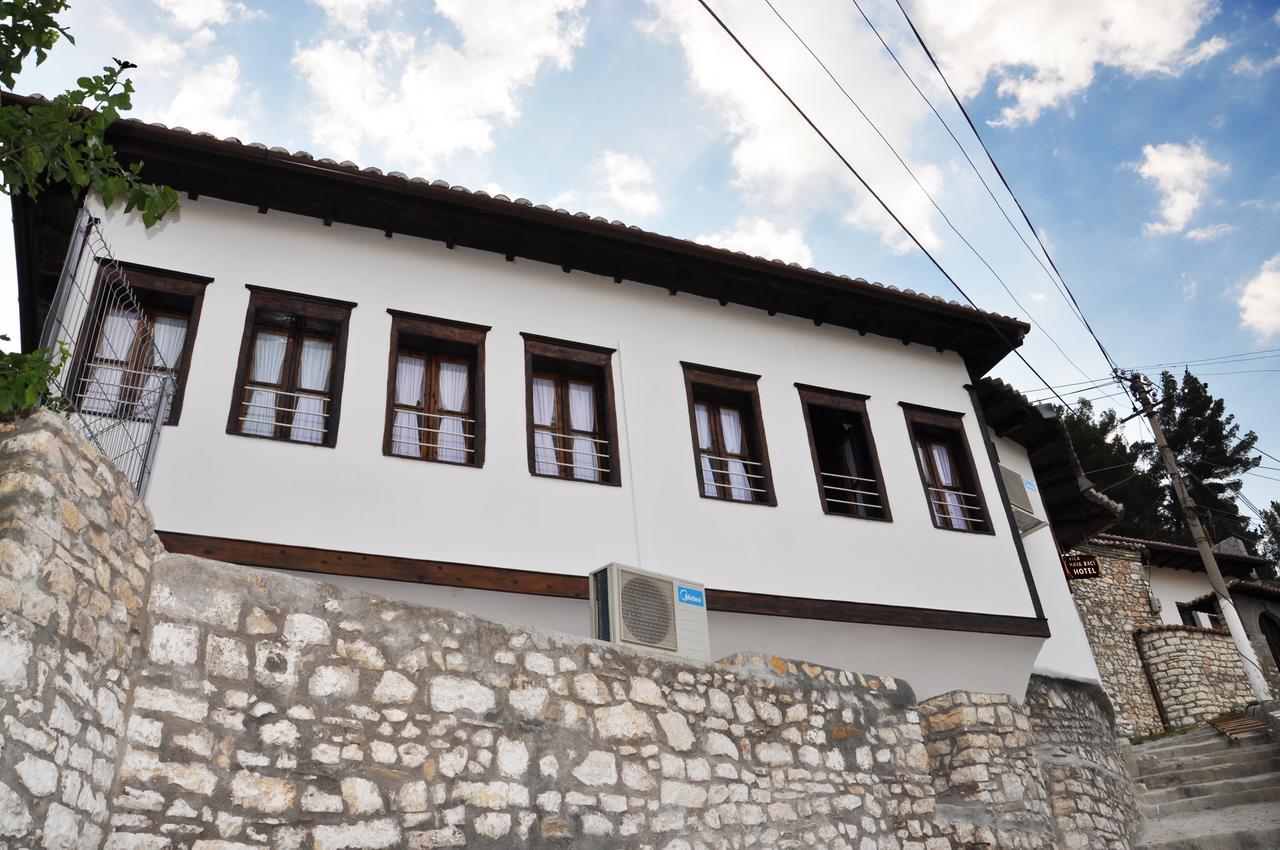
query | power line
(1080,312)
(873,192)
(961,147)
(1030,316)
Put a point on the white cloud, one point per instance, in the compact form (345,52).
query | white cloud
(1247,66)
(209,99)
(351,14)
(783,170)
(628,183)
(193,14)
(761,237)
(1209,232)
(1259,302)
(1040,54)
(410,100)
(1181,173)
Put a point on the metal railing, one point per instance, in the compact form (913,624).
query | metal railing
(594,468)
(723,470)
(466,435)
(112,403)
(963,511)
(858,494)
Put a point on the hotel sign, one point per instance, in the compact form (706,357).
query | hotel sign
(1077,566)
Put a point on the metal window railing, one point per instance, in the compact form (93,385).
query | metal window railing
(117,408)
(859,494)
(467,434)
(600,449)
(723,470)
(962,511)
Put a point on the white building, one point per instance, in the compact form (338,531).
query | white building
(474,402)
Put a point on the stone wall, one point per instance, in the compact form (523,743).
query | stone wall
(982,757)
(1082,763)
(1113,607)
(272,708)
(76,549)
(1197,673)
(154,701)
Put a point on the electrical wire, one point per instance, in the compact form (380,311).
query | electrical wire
(724,26)
(1025,310)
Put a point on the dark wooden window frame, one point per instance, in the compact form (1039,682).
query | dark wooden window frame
(947,420)
(855,403)
(586,359)
(149,282)
(303,306)
(455,336)
(713,380)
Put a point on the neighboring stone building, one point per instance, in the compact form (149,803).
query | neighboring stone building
(1154,628)
(157,701)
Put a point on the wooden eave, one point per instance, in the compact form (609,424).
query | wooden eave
(274,179)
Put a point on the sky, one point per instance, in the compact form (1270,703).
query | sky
(1140,136)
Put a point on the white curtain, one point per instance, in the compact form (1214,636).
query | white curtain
(582,417)
(703,419)
(309,419)
(452,439)
(851,464)
(406,439)
(544,444)
(167,336)
(268,361)
(947,474)
(115,342)
(731,430)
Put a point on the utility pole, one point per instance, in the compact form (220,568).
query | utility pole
(1248,658)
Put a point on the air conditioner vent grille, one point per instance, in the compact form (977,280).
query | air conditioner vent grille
(647,611)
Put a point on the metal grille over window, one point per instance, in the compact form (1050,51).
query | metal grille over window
(431,404)
(727,471)
(122,373)
(951,504)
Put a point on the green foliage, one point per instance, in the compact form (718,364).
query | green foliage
(62,141)
(1269,546)
(25,380)
(1210,449)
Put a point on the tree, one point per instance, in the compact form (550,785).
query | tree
(1269,546)
(1119,469)
(1209,447)
(63,141)
(1212,453)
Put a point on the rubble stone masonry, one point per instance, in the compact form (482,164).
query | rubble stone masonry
(1113,606)
(1197,673)
(155,701)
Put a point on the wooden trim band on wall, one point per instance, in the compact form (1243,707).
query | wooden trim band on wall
(562,585)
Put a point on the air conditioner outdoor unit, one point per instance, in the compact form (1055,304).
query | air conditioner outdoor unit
(1024,511)
(657,612)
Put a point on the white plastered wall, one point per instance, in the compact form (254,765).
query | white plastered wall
(353,498)
(1174,586)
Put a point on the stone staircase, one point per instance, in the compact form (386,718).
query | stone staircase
(1199,791)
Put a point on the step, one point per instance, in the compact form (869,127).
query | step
(1214,801)
(1204,747)
(1213,788)
(1238,756)
(1248,827)
(1236,768)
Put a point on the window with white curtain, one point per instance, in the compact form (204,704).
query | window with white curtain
(571,423)
(728,436)
(435,390)
(291,368)
(133,353)
(844,455)
(946,470)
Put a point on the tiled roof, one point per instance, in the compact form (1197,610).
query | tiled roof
(304,156)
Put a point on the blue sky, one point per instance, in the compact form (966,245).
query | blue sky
(1139,134)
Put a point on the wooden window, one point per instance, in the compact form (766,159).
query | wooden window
(946,470)
(289,379)
(134,347)
(435,390)
(844,454)
(731,459)
(572,427)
